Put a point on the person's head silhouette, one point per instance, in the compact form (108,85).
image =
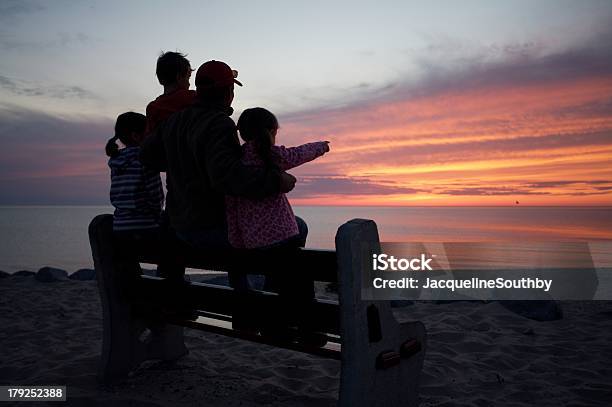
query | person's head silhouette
(215,83)
(129,129)
(173,70)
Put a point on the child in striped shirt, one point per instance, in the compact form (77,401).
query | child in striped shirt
(136,192)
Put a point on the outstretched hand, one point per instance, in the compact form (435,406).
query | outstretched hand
(287,182)
(327,146)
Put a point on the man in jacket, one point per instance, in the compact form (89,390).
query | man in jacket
(198,148)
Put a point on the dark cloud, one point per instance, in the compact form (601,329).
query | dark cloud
(37,89)
(596,108)
(460,151)
(581,188)
(590,60)
(490,191)
(316,186)
(14,9)
(75,190)
(552,184)
(514,66)
(587,193)
(51,160)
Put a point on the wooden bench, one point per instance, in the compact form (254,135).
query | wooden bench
(381,359)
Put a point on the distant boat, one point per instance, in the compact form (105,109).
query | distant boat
(517,202)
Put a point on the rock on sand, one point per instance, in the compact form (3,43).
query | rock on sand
(51,274)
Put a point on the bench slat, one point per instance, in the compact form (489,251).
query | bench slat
(222,299)
(331,350)
(320,264)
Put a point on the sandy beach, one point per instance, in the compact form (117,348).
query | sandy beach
(479,355)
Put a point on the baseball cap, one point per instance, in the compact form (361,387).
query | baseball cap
(214,74)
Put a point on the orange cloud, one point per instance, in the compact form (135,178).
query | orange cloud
(514,136)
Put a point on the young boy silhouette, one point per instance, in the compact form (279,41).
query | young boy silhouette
(173,72)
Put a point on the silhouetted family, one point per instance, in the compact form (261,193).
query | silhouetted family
(220,194)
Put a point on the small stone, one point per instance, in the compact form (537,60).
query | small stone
(23,273)
(83,275)
(51,274)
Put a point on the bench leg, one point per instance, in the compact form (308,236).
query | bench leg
(129,337)
(381,358)
(383,374)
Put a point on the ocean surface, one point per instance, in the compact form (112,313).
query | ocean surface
(33,237)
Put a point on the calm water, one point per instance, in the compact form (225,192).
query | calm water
(33,237)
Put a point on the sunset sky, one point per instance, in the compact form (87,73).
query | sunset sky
(437,103)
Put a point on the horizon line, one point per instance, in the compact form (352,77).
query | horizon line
(335,205)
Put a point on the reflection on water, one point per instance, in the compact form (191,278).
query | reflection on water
(461,224)
(506,255)
(33,237)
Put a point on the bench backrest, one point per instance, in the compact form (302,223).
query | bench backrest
(320,264)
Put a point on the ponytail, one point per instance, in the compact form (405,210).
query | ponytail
(263,145)
(112,149)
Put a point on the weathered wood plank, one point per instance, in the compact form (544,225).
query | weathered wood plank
(221,300)
(332,350)
(320,264)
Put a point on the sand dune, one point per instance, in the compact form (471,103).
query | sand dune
(479,355)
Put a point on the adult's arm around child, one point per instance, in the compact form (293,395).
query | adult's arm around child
(219,152)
